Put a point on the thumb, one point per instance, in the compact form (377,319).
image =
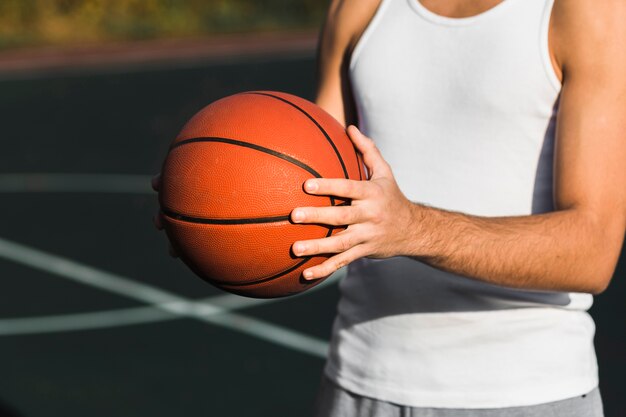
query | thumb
(372,157)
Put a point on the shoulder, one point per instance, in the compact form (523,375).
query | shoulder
(346,21)
(588,32)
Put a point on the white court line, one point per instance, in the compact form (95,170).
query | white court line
(129,316)
(161,299)
(83,321)
(75,183)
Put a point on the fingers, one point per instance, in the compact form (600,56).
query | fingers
(158,221)
(335,244)
(331,265)
(334,215)
(372,157)
(337,187)
(156,182)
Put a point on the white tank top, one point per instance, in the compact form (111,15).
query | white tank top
(464,111)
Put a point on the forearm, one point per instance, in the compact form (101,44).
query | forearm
(572,249)
(561,250)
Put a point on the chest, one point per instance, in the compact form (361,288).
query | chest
(494,65)
(459,8)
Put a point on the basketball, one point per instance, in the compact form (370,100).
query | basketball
(232,177)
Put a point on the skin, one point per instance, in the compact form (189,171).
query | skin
(575,248)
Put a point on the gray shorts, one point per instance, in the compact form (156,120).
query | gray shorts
(334,401)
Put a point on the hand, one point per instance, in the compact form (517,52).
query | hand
(379,220)
(157,219)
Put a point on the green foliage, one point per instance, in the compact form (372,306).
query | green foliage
(29,22)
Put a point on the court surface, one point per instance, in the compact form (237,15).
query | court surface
(95,318)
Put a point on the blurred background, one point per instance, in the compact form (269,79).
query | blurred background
(95,318)
(72,22)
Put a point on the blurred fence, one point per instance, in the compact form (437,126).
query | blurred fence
(53,22)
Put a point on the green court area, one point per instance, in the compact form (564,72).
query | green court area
(95,318)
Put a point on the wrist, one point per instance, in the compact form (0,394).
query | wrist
(425,243)
(416,235)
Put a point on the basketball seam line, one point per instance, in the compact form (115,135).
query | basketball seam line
(343,165)
(247,145)
(284,157)
(202,220)
(243,220)
(262,280)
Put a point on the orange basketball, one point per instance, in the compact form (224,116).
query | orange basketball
(231,179)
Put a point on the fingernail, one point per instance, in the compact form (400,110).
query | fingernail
(307,274)
(298,216)
(310,186)
(299,248)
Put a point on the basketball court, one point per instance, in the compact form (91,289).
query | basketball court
(95,318)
